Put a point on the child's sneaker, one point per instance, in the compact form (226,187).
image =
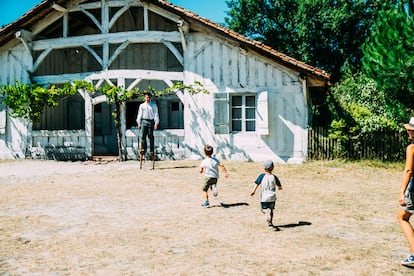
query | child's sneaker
(205,204)
(214,189)
(409,261)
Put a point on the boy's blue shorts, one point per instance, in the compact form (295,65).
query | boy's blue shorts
(267,205)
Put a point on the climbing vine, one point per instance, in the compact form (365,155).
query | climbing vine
(29,100)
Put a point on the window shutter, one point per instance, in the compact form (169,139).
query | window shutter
(3,116)
(262,114)
(221,113)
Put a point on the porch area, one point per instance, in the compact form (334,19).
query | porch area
(74,145)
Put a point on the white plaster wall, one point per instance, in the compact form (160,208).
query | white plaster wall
(223,67)
(14,65)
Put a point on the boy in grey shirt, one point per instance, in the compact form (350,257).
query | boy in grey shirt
(268,183)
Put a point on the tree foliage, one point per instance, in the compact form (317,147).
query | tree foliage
(389,57)
(363,107)
(323,33)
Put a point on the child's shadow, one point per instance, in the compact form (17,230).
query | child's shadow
(291,225)
(228,205)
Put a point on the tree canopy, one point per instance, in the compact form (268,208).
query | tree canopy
(323,33)
(389,57)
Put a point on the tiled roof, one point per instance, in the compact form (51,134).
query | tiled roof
(45,7)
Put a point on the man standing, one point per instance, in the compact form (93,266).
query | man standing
(147,120)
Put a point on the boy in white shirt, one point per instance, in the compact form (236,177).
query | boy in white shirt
(210,167)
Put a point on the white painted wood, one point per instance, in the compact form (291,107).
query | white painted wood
(3,121)
(262,113)
(218,62)
(174,50)
(112,38)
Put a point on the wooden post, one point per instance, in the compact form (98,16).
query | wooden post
(141,152)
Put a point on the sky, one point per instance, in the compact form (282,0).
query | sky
(215,10)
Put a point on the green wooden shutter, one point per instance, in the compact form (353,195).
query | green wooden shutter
(221,113)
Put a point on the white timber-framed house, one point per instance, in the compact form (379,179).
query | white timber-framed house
(258,105)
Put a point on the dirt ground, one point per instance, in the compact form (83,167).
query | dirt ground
(110,218)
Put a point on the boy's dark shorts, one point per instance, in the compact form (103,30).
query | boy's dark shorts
(267,205)
(208,181)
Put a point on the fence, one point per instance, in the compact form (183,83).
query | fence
(384,146)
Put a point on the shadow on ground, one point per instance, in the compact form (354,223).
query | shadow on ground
(291,225)
(177,167)
(229,205)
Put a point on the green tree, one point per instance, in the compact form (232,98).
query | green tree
(360,112)
(322,33)
(363,105)
(389,57)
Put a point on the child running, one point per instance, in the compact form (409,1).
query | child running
(268,182)
(210,167)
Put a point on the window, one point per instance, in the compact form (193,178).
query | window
(68,115)
(243,113)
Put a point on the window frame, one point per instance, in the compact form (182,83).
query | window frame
(244,109)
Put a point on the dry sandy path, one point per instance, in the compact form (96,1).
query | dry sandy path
(86,218)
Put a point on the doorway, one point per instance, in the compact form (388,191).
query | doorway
(104,130)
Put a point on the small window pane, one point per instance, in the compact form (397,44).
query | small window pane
(237,100)
(250,113)
(236,125)
(250,126)
(236,113)
(250,101)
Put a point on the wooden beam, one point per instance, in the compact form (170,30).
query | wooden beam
(117,52)
(111,74)
(175,51)
(26,38)
(111,38)
(59,8)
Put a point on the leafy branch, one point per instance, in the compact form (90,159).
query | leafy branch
(29,100)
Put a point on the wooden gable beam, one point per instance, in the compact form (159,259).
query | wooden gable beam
(174,50)
(26,38)
(112,38)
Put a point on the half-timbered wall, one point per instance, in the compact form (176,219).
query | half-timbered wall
(15,63)
(137,46)
(280,122)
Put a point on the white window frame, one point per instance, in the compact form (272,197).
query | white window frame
(244,109)
(223,113)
